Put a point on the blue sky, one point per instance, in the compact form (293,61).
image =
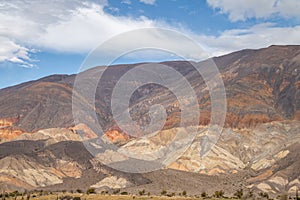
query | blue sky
(54,37)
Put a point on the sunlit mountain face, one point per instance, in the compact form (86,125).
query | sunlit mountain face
(39,134)
(149,97)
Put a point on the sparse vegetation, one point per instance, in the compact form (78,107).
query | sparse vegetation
(79,191)
(142,192)
(28,196)
(204,194)
(283,197)
(239,193)
(104,192)
(171,194)
(219,194)
(124,193)
(67,197)
(91,191)
(264,195)
(163,192)
(14,194)
(117,191)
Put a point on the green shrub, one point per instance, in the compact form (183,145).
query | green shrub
(124,193)
(142,192)
(14,194)
(239,193)
(117,191)
(79,191)
(219,194)
(203,194)
(66,197)
(171,195)
(91,191)
(163,192)
(283,197)
(264,195)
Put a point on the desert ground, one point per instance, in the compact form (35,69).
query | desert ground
(102,197)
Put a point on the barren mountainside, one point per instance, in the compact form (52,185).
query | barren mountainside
(40,146)
(262,86)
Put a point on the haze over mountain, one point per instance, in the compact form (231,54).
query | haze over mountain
(257,151)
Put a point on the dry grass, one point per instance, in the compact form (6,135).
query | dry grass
(104,197)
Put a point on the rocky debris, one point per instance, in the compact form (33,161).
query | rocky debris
(112,182)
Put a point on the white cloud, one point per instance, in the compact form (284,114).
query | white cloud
(242,10)
(78,27)
(15,53)
(289,8)
(86,29)
(126,2)
(65,26)
(149,2)
(258,36)
(23,22)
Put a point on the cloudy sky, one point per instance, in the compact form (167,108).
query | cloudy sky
(39,38)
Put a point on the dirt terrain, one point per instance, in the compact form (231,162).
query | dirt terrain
(41,146)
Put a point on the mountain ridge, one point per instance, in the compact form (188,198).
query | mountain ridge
(258,146)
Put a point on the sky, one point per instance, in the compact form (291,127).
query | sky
(40,38)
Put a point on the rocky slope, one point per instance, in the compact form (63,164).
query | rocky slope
(262,86)
(41,145)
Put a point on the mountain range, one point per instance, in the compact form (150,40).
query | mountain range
(258,151)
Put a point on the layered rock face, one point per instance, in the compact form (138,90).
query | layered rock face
(7,129)
(257,148)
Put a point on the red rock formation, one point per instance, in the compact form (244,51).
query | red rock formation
(7,129)
(116,135)
(9,133)
(5,122)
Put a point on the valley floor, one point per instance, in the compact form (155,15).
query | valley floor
(104,197)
